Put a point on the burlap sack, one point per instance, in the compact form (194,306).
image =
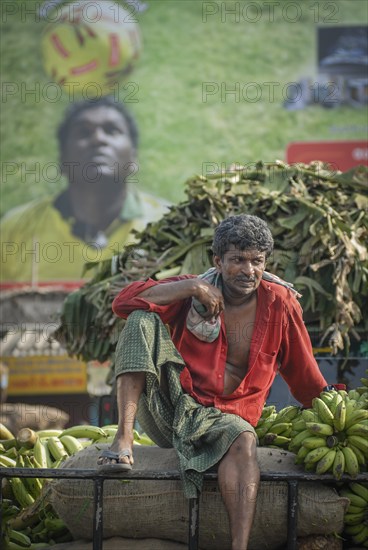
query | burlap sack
(158,509)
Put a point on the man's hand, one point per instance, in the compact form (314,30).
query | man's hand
(210,297)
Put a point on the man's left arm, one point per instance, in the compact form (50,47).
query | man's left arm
(298,366)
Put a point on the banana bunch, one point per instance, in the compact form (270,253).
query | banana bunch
(356,516)
(274,428)
(332,435)
(363,389)
(28,521)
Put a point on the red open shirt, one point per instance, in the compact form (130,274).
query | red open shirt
(280,342)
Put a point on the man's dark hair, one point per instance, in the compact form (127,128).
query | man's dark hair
(105,101)
(243,231)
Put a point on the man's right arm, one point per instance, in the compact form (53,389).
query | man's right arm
(166,297)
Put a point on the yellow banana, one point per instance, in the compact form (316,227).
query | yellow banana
(56,448)
(351,462)
(360,490)
(324,413)
(360,442)
(84,432)
(314,442)
(339,416)
(326,462)
(319,428)
(71,444)
(316,454)
(338,466)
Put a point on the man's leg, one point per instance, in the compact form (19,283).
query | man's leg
(238,477)
(130,385)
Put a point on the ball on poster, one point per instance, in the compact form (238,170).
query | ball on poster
(91,45)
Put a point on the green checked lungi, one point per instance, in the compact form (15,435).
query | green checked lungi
(171,418)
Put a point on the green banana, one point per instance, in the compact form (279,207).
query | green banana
(71,444)
(323,411)
(84,432)
(34,484)
(355,500)
(297,440)
(20,492)
(7,462)
(353,529)
(354,519)
(309,415)
(359,454)
(301,454)
(326,462)
(358,429)
(42,454)
(327,396)
(43,434)
(360,490)
(336,400)
(5,433)
(20,539)
(287,414)
(360,442)
(56,448)
(361,537)
(319,428)
(351,462)
(299,424)
(355,417)
(316,454)
(266,412)
(339,416)
(314,442)
(280,427)
(338,466)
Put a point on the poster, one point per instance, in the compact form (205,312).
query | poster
(210,84)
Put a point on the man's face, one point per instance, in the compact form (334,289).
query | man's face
(98,146)
(241,270)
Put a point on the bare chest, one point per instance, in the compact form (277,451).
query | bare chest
(239,323)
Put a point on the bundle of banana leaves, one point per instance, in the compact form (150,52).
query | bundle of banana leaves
(320,226)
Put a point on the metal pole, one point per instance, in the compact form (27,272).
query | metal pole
(98,514)
(292,515)
(193,524)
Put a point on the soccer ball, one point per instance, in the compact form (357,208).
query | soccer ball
(90,46)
